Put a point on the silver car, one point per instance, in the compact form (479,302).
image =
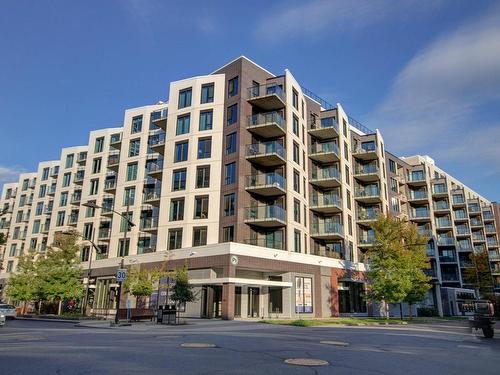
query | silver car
(8,311)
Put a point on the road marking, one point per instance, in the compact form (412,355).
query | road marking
(197,345)
(336,343)
(306,362)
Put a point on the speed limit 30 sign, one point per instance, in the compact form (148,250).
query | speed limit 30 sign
(121,275)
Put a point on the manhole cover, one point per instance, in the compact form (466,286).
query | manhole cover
(306,362)
(336,343)
(197,345)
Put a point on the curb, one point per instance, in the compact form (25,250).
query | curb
(49,320)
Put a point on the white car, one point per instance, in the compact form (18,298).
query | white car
(8,311)
(2,320)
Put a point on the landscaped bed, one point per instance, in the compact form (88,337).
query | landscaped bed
(352,321)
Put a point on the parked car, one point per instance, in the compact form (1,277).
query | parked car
(2,320)
(8,310)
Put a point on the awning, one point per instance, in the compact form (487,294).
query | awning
(240,281)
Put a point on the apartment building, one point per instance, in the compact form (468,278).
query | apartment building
(266,191)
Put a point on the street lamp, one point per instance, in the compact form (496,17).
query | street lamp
(122,261)
(89,270)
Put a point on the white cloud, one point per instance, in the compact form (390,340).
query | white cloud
(441,102)
(9,175)
(311,18)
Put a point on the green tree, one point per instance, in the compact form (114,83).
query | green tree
(480,276)
(141,282)
(59,271)
(23,285)
(3,242)
(182,291)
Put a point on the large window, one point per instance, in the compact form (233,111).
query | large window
(296,153)
(99,145)
(185,98)
(123,248)
(96,165)
(296,241)
(177,209)
(199,236)
(296,181)
(129,196)
(94,186)
(131,171)
(206,120)
(201,207)
(230,173)
(60,218)
(229,204)
(64,199)
(134,147)
(296,210)
(66,179)
(42,191)
(183,124)
(181,151)
(204,148)
(203,176)
(136,124)
(231,143)
(232,87)
(175,238)
(228,234)
(69,160)
(295,99)
(45,173)
(179,179)
(207,93)
(232,114)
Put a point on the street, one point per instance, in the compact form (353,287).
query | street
(28,347)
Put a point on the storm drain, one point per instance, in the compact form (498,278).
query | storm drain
(306,362)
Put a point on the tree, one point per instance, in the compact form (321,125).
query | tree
(479,275)
(23,285)
(59,271)
(3,242)
(141,282)
(395,262)
(182,291)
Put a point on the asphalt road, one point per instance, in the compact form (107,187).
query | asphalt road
(28,347)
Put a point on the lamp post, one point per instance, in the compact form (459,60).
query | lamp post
(89,270)
(122,261)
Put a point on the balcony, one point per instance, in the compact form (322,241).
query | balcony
(45,228)
(25,218)
(81,159)
(152,196)
(449,258)
(110,185)
(416,179)
(464,246)
(441,207)
(157,142)
(73,219)
(52,191)
(494,257)
(426,232)
(149,224)
(365,152)
(445,224)
(79,177)
(449,277)
(327,152)
(54,172)
(114,161)
(420,215)
(159,118)
(446,241)
(463,231)
(418,196)
(474,209)
(366,240)
(107,208)
(267,125)
(431,272)
(266,184)
(104,234)
(327,231)
(492,242)
(458,201)
(431,252)
(325,177)
(155,170)
(369,194)
(478,238)
(466,263)
(324,128)
(488,216)
(326,203)
(267,154)
(47,209)
(264,242)
(367,173)
(271,216)
(439,191)
(268,97)
(476,223)
(76,198)
(490,229)
(495,271)
(461,216)
(368,215)
(115,141)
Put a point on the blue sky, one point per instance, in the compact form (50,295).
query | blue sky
(426,73)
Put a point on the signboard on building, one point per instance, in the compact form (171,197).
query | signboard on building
(303,295)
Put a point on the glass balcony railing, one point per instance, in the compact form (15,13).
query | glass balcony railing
(113,159)
(325,173)
(464,246)
(115,138)
(265,148)
(325,200)
(107,207)
(261,119)
(426,232)
(155,167)
(366,169)
(416,177)
(446,223)
(265,180)
(492,242)
(324,123)
(418,214)
(326,229)
(418,194)
(446,241)
(449,276)
(487,215)
(104,233)
(463,230)
(364,148)
(369,191)
(149,223)
(157,140)
(460,215)
(478,237)
(368,214)
(151,194)
(271,212)
(474,208)
(489,228)
(264,242)
(324,148)
(110,184)
(438,206)
(439,189)
(476,223)
(265,90)
(447,258)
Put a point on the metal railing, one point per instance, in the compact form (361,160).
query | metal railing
(264,242)
(325,173)
(324,123)
(265,213)
(368,214)
(327,229)
(373,191)
(324,148)
(149,222)
(419,214)
(326,200)
(265,180)
(418,194)
(265,90)
(265,148)
(266,118)
(366,169)
(446,241)
(110,184)
(151,194)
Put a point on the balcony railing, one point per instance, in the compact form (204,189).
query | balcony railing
(151,194)
(487,215)
(327,229)
(366,170)
(326,200)
(415,195)
(464,231)
(446,241)
(157,140)
(492,243)
(478,237)
(323,128)
(464,246)
(366,240)
(113,160)
(149,223)
(417,177)
(460,215)
(420,214)
(364,149)
(79,176)
(110,184)
(269,124)
(266,90)
(368,214)
(267,153)
(494,256)
(323,148)
(437,189)
(449,277)
(264,242)
(265,180)
(441,206)
(444,223)
(325,173)
(76,198)
(367,192)
(447,258)
(271,212)
(489,228)
(104,233)
(115,139)
(476,223)
(426,232)
(72,219)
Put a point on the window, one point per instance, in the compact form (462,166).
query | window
(394,185)
(296,153)
(207,93)
(33,242)
(123,248)
(203,177)
(348,199)
(206,120)
(346,151)
(36,227)
(179,179)
(131,171)
(185,98)
(183,124)
(134,147)
(12,252)
(64,199)
(295,99)
(87,231)
(177,209)
(60,218)
(175,238)
(66,179)
(296,181)
(124,222)
(230,143)
(295,126)
(69,160)
(99,145)
(96,165)
(201,207)
(181,151)
(349,222)
(199,236)
(228,234)
(43,190)
(10,266)
(94,186)
(296,241)
(204,148)
(232,87)
(39,208)
(129,196)
(90,212)
(229,204)
(45,174)
(345,127)
(347,175)
(230,173)
(136,124)
(296,210)
(84,254)
(305,216)
(392,166)
(232,114)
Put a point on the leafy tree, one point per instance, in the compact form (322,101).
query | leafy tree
(141,282)
(182,291)
(479,275)
(3,241)
(23,285)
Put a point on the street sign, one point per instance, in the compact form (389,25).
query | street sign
(121,275)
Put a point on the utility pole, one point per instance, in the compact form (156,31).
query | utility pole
(122,261)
